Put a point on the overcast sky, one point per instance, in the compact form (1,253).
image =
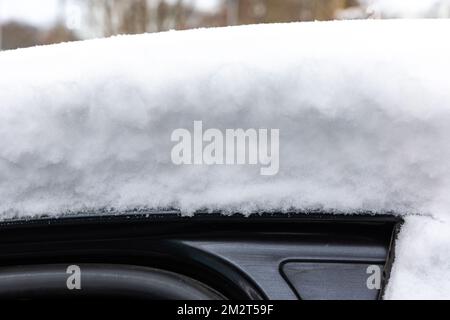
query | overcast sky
(44,12)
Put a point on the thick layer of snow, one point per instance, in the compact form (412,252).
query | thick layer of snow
(363,110)
(422,266)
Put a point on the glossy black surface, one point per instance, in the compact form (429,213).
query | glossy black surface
(237,256)
(100,281)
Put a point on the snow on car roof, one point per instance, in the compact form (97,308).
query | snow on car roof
(362,110)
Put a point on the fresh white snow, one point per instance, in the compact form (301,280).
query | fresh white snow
(363,110)
(422,266)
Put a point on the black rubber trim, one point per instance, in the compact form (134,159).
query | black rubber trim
(176,216)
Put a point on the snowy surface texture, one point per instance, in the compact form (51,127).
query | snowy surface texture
(363,110)
(422,266)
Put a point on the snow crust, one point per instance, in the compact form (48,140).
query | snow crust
(363,109)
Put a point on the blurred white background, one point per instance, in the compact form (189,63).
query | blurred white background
(25,23)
